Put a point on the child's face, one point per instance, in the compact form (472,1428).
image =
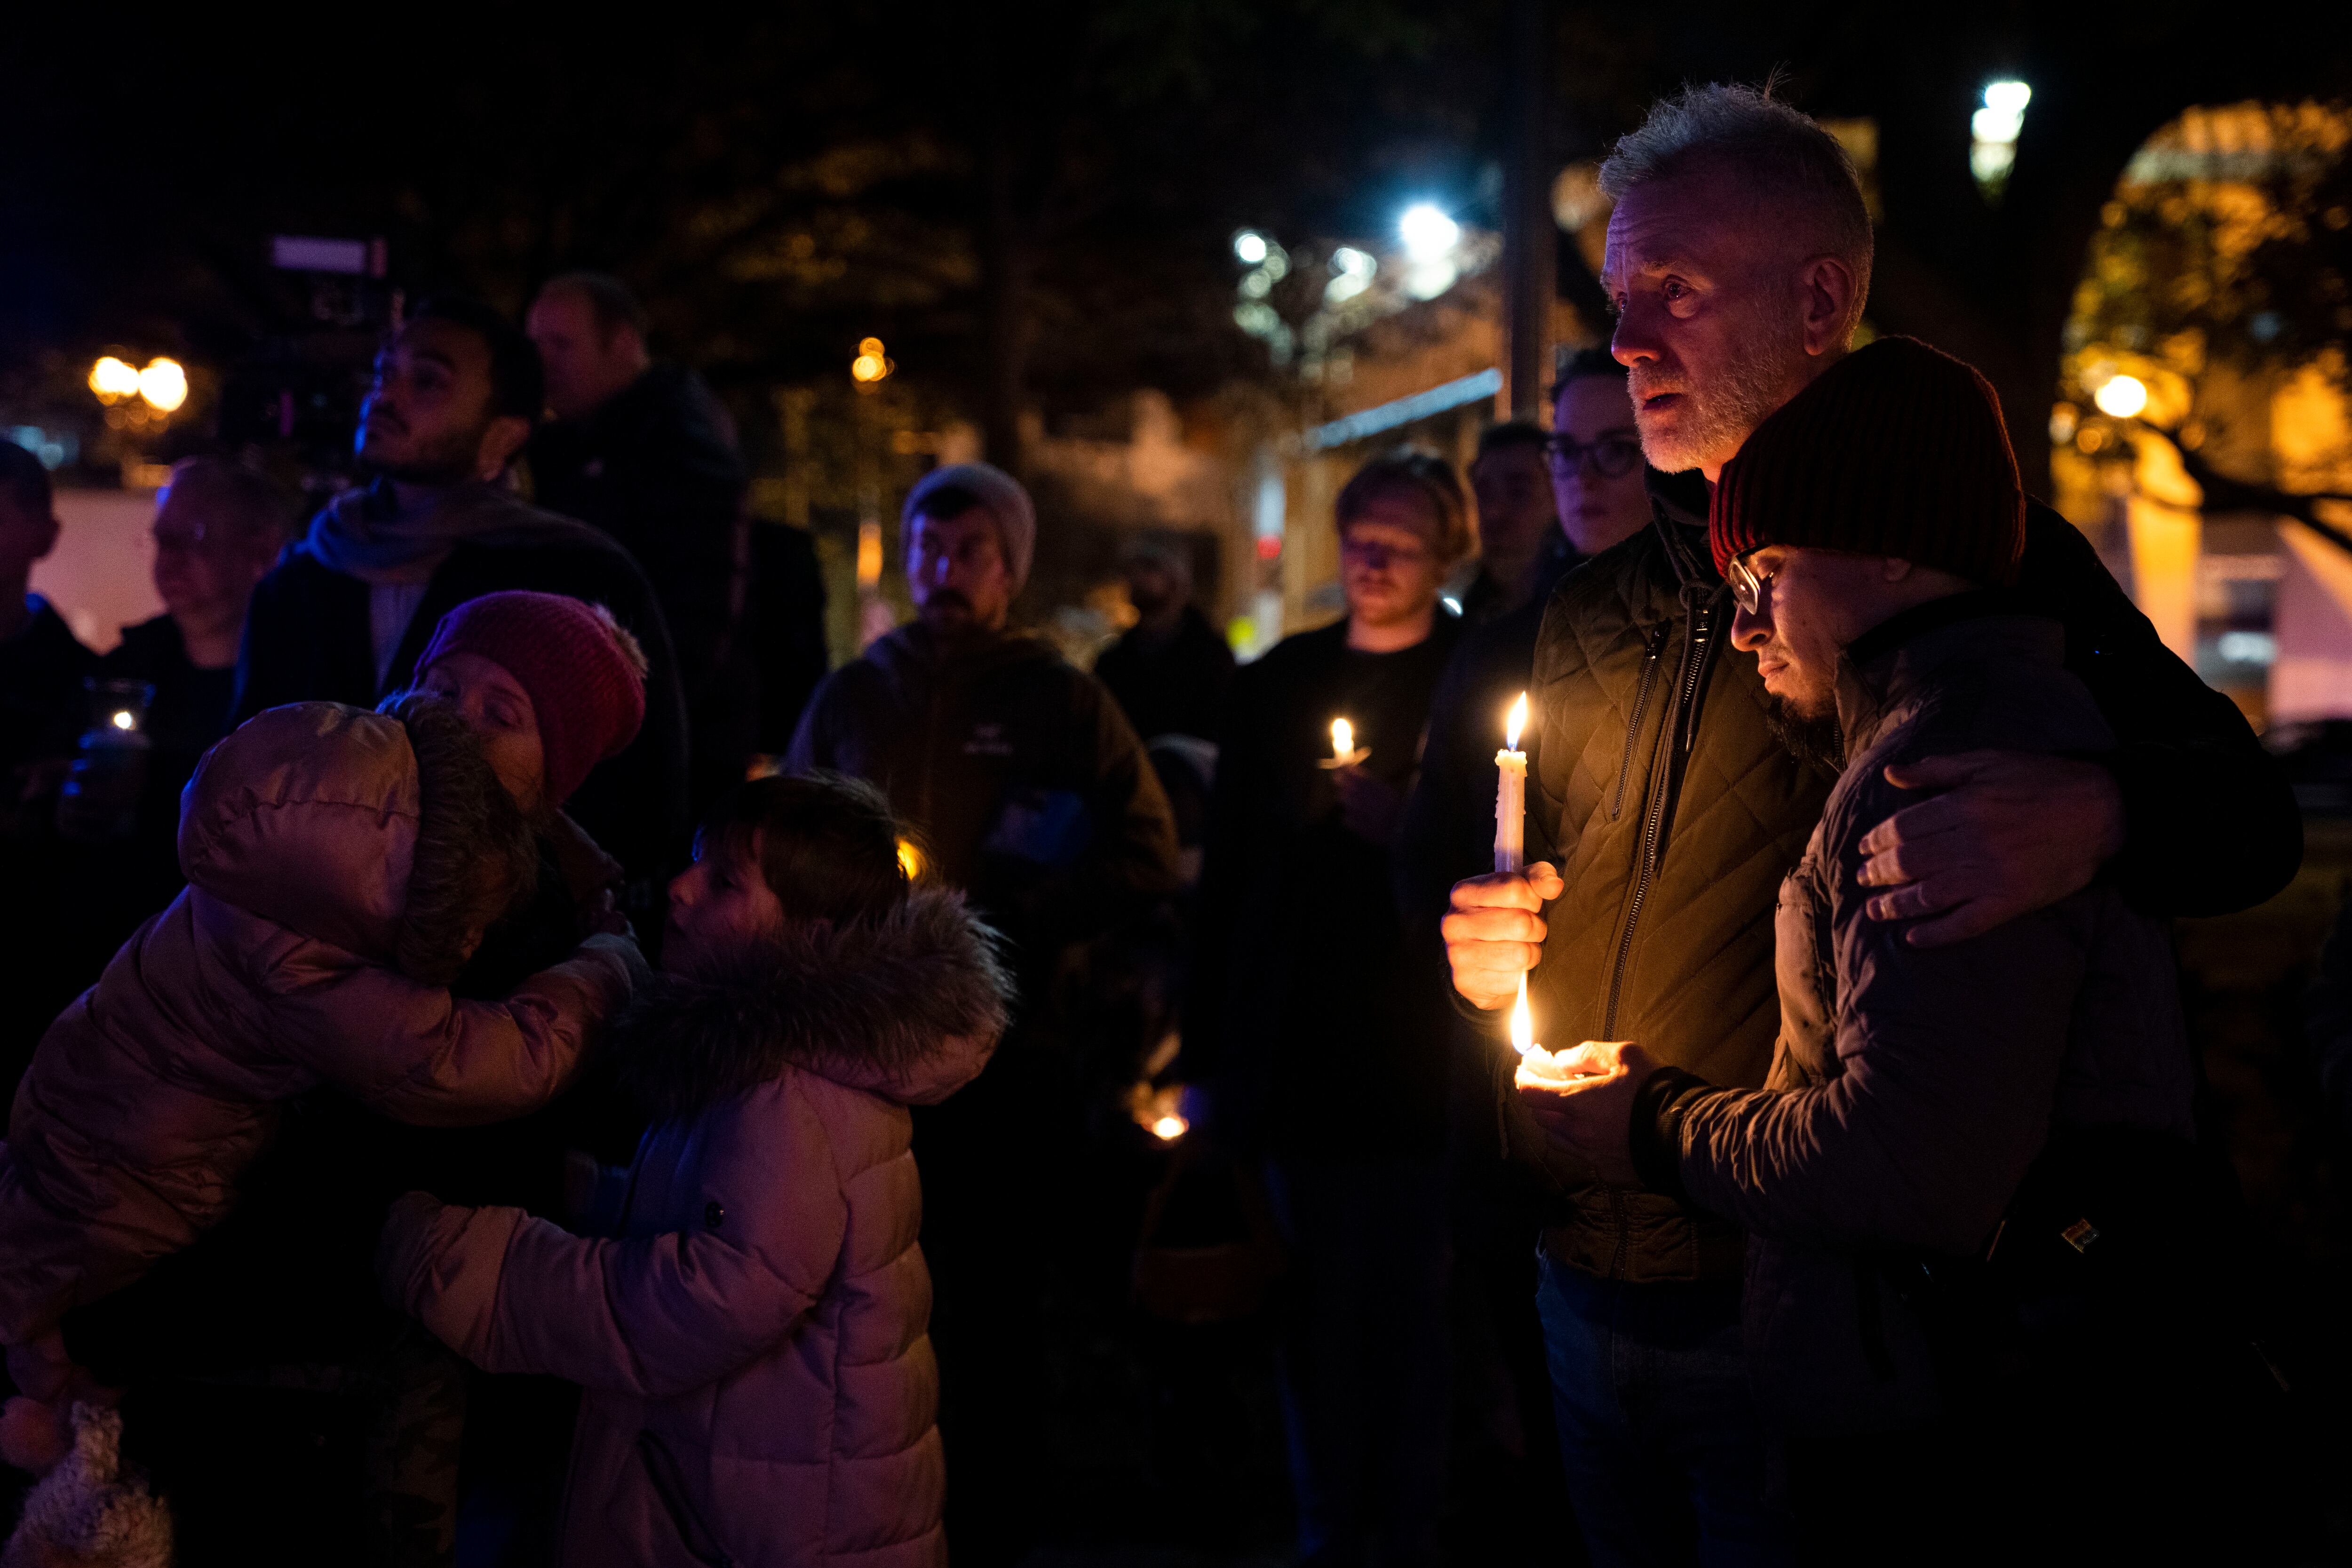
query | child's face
(498,709)
(718,903)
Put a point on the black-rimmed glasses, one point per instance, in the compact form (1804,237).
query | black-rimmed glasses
(1613,456)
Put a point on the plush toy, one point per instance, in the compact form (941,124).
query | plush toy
(87,1512)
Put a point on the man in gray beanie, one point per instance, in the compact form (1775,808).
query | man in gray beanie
(1029,790)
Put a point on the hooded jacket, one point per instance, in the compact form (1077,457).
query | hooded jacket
(308,838)
(1027,784)
(760,1388)
(1659,790)
(1912,1086)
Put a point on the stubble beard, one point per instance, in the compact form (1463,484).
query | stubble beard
(1720,415)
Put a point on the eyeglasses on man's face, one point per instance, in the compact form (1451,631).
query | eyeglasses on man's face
(1746,584)
(1613,456)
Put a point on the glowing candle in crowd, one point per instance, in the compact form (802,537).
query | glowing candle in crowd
(1343,747)
(1511,795)
(1537,1065)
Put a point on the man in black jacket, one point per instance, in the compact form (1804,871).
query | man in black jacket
(642,451)
(1169,672)
(1739,254)
(344,616)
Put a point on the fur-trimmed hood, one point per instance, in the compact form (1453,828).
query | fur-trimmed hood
(909,1007)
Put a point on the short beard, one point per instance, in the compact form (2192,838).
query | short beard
(1743,394)
(1818,742)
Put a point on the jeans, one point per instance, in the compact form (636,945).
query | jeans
(1658,1432)
(1364,1362)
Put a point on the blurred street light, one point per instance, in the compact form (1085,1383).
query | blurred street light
(1994,130)
(164,384)
(113,380)
(2121,396)
(871,364)
(1428,234)
(1249,248)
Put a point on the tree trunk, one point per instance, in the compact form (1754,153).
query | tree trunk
(1004,295)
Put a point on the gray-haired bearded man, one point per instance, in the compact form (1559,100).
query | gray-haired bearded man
(1669,803)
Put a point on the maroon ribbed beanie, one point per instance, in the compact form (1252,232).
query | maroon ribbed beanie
(1897,450)
(588,700)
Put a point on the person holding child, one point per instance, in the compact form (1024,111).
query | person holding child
(751,1333)
(265,1010)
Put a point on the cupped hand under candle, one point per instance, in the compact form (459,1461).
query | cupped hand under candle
(1538,1068)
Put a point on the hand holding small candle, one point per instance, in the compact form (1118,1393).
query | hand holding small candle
(1583,1098)
(1344,754)
(1511,798)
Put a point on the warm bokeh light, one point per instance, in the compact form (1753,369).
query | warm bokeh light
(2121,396)
(113,380)
(125,719)
(1168,1129)
(871,364)
(1515,723)
(1343,738)
(164,384)
(869,554)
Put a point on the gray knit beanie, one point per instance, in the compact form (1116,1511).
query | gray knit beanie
(1000,494)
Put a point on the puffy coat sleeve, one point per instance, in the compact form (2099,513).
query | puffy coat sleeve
(420,1055)
(651,1316)
(1948,1062)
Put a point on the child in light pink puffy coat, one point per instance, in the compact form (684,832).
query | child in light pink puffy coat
(753,1340)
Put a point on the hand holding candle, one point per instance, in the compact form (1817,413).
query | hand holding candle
(1584,1098)
(1344,754)
(1511,797)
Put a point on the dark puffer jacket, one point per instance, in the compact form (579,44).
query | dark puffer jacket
(1914,1086)
(1673,814)
(1028,787)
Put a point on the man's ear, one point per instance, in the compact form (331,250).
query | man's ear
(1825,307)
(504,437)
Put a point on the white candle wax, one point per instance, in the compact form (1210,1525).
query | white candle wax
(1511,794)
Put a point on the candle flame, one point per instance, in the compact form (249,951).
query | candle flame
(1523,1029)
(1168,1129)
(1343,737)
(1515,723)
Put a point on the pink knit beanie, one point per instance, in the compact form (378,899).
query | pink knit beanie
(588,700)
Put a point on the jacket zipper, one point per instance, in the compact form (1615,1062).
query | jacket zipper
(1657,641)
(1699,648)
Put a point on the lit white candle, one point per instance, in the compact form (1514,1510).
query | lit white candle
(1343,747)
(1537,1067)
(1511,794)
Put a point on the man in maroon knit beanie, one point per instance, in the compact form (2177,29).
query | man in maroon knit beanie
(1925,1103)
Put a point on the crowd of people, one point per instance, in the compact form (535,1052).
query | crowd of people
(451,1091)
